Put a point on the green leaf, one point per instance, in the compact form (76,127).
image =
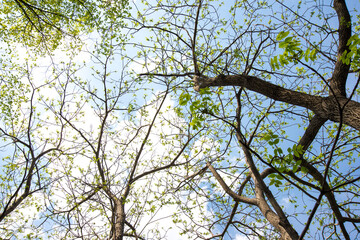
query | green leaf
(304,170)
(313,54)
(307,54)
(283,44)
(282,35)
(296,154)
(184,98)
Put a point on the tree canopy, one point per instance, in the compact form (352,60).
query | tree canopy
(174,119)
(43,24)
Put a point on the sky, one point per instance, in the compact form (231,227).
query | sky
(89,121)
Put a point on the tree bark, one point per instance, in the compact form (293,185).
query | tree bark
(119,224)
(341,70)
(333,107)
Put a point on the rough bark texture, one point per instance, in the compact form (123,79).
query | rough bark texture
(341,70)
(119,220)
(332,107)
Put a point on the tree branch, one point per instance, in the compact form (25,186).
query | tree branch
(226,188)
(325,107)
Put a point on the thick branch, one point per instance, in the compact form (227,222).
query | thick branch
(236,197)
(325,107)
(341,70)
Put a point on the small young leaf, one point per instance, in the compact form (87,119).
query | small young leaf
(282,35)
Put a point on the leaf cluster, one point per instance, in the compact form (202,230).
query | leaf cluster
(293,51)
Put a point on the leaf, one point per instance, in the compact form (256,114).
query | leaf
(205,91)
(282,35)
(304,170)
(272,63)
(267,137)
(184,98)
(278,176)
(307,54)
(296,154)
(313,54)
(283,44)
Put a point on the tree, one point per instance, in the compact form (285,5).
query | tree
(28,153)
(274,65)
(44,24)
(88,146)
(231,119)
